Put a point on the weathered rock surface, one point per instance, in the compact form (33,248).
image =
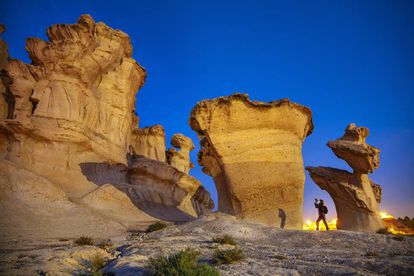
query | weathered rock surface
(253,151)
(268,251)
(180,159)
(355,196)
(4,80)
(149,142)
(69,131)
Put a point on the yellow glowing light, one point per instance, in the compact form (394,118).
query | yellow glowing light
(390,223)
(311,225)
(385,215)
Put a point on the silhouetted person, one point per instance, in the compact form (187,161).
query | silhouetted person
(322,211)
(282,216)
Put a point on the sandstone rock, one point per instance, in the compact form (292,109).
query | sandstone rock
(355,196)
(202,202)
(352,148)
(67,124)
(6,98)
(35,208)
(74,102)
(253,151)
(181,159)
(107,199)
(155,185)
(149,142)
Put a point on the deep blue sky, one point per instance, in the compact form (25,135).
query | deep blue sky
(349,61)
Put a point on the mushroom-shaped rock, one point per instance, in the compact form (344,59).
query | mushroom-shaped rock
(180,159)
(352,148)
(149,142)
(355,196)
(253,151)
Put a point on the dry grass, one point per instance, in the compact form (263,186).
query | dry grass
(183,263)
(225,239)
(228,256)
(156,226)
(84,240)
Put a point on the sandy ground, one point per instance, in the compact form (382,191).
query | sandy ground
(268,251)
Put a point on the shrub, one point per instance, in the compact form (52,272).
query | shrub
(96,263)
(84,240)
(398,238)
(225,239)
(156,226)
(183,263)
(228,256)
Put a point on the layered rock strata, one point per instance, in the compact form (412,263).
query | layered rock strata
(68,133)
(355,196)
(253,151)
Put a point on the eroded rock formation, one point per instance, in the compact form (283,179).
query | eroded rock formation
(355,196)
(253,151)
(180,159)
(67,123)
(149,142)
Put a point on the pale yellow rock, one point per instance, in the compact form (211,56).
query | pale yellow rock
(70,128)
(180,159)
(355,196)
(149,142)
(35,208)
(163,191)
(253,151)
(5,96)
(74,261)
(109,200)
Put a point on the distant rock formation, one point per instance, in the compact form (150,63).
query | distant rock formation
(67,123)
(253,151)
(355,196)
(181,159)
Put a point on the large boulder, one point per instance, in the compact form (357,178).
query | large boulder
(253,151)
(355,196)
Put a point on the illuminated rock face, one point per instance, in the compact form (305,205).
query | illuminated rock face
(180,159)
(67,122)
(355,196)
(253,151)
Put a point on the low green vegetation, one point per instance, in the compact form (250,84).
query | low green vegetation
(183,263)
(156,226)
(225,239)
(96,263)
(228,256)
(84,240)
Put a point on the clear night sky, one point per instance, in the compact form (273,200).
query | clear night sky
(349,61)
